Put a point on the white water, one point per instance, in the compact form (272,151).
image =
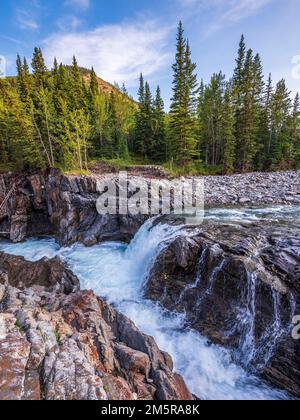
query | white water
(117,272)
(274,213)
(247,345)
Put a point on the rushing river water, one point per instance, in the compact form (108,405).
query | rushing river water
(117,272)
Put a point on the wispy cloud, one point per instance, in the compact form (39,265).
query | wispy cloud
(225,12)
(117,52)
(28,17)
(12,40)
(25,20)
(82,4)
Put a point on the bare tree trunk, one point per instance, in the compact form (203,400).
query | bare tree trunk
(79,151)
(85,155)
(48,132)
(42,142)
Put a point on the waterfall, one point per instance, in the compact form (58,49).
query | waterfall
(198,277)
(269,340)
(256,352)
(118,272)
(246,322)
(211,283)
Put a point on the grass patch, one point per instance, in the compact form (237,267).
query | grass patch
(19,326)
(9,167)
(58,337)
(193,169)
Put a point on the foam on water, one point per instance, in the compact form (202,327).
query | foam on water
(274,213)
(117,272)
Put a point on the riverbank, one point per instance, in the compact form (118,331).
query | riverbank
(253,189)
(65,205)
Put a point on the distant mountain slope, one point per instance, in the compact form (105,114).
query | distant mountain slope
(106,87)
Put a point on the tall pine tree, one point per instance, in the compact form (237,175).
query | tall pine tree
(183,128)
(159,149)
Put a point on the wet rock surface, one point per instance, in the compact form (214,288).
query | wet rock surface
(65,206)
(59,343)
(239,286)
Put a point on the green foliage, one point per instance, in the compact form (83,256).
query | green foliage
(150,125)
(159,133)
(61,118)
(19,327)
(58,337)
(183,124)
(243,124)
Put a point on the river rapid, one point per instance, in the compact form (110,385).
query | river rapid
(117,272)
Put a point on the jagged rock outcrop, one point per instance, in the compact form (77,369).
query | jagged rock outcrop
(239,285)
(73,213)
(59,343)
(45,273)
(64,206)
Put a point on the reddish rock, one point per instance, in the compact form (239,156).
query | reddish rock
(14,354)
(58,345)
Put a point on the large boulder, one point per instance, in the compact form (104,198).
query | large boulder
(73,212)
(51,274)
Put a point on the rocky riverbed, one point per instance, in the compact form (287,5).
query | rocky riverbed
(254,189)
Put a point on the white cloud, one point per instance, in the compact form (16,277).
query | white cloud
(117,52)
(226,12)
(25,20)
(82,4)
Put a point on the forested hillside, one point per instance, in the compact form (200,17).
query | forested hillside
(67,117)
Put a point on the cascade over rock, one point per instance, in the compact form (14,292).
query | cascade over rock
(239,286)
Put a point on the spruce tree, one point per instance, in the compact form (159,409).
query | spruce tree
(77,86)
(147,122)
(247,119)
(159,153)
(238,77)
(295,131)
(228,132)
(94,87)
(176,110)
(39,68)
(238,88)
(140,119)
(280,138)
(265,129)
(24,80)
(183,133)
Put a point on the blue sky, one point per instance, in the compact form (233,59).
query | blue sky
(122,38)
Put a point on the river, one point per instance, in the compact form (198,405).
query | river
(117,272)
